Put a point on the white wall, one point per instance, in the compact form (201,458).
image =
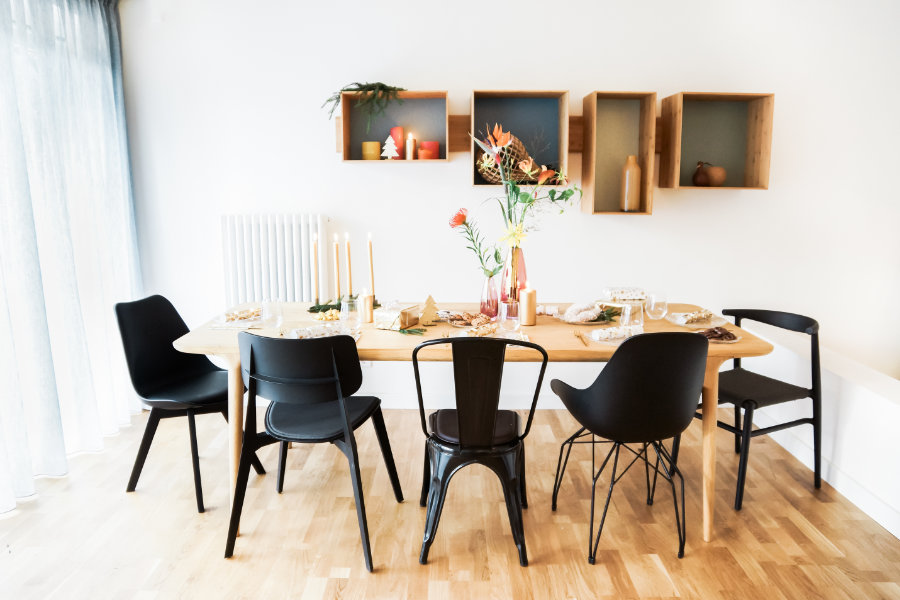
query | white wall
(224,96)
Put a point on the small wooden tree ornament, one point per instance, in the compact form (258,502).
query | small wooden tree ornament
(429,313)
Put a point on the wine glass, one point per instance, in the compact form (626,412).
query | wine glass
(657,306)
(509,315)
(632,314)
(350,316)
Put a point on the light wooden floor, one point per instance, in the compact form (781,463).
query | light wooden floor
(84,537)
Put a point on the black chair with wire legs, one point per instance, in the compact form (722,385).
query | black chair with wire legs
(310,384)
(476,431)
(647,393)
(171,383)
(749,391)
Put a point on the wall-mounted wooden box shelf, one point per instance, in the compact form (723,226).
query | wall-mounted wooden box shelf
(728,130)
(617,124)
(424,114)
(539,118)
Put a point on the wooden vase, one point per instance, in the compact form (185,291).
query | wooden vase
(630,194)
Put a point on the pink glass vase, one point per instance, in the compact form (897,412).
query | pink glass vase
(489,297)
(514,276)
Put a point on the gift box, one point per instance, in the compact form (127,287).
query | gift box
(396,317)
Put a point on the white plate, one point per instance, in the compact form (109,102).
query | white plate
(713,321)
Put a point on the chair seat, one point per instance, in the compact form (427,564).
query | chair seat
(738,385)
(321,422)
(444,424)
(198,390)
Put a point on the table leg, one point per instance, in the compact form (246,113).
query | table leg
(710,416)
(235,420)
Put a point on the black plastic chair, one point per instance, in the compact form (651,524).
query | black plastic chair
(310,384)
(475,432)
(171,383)
(647,393)
(751,391)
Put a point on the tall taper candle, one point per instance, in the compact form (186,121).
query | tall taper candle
(349,270)
(316,264)
(337,270)
(371,268)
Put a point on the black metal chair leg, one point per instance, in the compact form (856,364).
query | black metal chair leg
(507,468)
(745,454)
(426,479)
(817,441)
(522,487)
(257,465)
(195,460)
(349,451)
(239,491)
(441,471)
(561,464)
(385,445)
(149,432)
(282,462)
(592,544)
(737,426)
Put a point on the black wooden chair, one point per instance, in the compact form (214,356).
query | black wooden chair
(749,391)
(310,384)
(475,432)
(647,393)
(171,383)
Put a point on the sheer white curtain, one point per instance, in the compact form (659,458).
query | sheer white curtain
(67,241)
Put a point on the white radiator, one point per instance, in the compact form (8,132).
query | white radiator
(271,257)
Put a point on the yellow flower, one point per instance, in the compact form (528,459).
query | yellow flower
(514,235)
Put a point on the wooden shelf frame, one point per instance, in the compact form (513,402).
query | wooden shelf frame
(596,145)
(562,122)
(345,124)
(754,137)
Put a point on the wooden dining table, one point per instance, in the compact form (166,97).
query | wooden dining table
(554,335)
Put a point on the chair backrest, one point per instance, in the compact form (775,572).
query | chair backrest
(148,328)
(791,322)
(648,391)
(300,371)
(477,376)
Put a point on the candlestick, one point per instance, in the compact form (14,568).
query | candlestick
(316,264)
(410,147)
(371,268)
(527,305)
(349,270)
(337,270)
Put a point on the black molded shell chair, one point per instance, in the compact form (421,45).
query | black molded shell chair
(475,432)
(749,391)
(647,393)
(171,383)
(310,384)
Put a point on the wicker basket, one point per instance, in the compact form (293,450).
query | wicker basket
(511,155)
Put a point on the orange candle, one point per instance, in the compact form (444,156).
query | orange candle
(349,270)
(371,268)
(426,154)
(337,270)
(433,147)
(316,264)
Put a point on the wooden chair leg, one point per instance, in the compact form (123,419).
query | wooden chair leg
(385,445)
(149,432)
(195,460)
(282,462)
(745,454)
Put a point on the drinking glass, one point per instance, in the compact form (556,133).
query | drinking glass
(272,313)
(509,315)
(657,306)
(632,314)
(350,316)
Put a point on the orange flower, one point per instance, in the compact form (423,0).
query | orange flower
(459,218)
(545,175)
(527,166)
(499,138)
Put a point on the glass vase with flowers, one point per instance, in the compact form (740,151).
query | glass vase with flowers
(488,259)
(528,192)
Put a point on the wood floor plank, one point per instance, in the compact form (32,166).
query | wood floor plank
(84,537)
